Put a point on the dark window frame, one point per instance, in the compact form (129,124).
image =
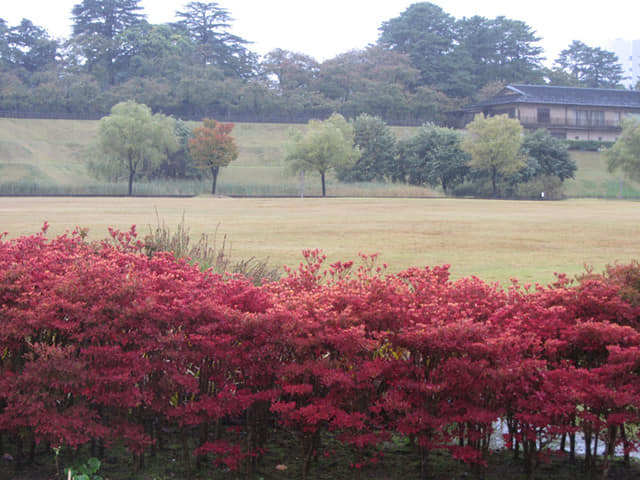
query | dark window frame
(544,115)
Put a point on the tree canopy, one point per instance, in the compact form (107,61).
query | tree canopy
(288,70)
(208,26)
(26,46)
(377,145)
(551,155)
(501,50)
(625,153)
(133,142)
(589,66)
(213,147)
(424,64)
(323,146)
(426,33)
(494,145)
(433,157)
(96,24)
(460,56)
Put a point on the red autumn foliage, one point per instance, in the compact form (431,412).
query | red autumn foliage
(212,147)
(99,342)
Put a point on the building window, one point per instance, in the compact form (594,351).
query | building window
(616,119)
(597,119)
(544,115)
(582,118)
(510,112)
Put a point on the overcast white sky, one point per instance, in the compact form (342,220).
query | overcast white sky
(326,28)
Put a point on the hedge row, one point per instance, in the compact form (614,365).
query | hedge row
(100,344)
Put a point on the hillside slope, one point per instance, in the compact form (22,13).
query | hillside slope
(50,156)
(48,151)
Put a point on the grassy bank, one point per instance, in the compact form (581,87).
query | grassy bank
(594,181)
(49,157)
(494,240)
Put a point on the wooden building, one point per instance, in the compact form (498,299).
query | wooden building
(567,112)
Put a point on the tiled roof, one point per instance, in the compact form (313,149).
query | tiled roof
(544,94)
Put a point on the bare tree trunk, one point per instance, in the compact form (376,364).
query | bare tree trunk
(625,443)
(494,177)
(186,454)
(572,447)
(132,172)
(214,173)
(609,450)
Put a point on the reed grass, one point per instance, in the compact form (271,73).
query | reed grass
(206,251)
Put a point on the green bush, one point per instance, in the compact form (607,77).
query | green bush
(85,471)
(532,190)
(589,145)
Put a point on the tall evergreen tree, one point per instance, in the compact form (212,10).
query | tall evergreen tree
(426,33)
(208,25)
(96,26)
(26,46)
(591,66)
(501,50)
(4,42)
(147,50)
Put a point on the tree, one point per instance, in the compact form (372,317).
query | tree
(290,70)
(4,41)
(207,24)
(428,35)
(434,158)
(323,146)
(494,145)
(625,153)
(373,80)
(28,46)
(363,70)
(212,147)
(558,77)
(501,50)
(592,67)
(133,141)
(146,50)
(179,163)
(96,25)
(550,155)
(377,145)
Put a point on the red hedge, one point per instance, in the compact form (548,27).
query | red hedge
(98,341)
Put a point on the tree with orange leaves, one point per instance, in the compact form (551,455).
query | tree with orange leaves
(212,147)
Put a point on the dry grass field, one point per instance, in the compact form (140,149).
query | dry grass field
(494,240)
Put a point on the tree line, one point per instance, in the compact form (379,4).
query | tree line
(495,158)
(424,64)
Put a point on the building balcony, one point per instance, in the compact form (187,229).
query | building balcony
(532,122)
